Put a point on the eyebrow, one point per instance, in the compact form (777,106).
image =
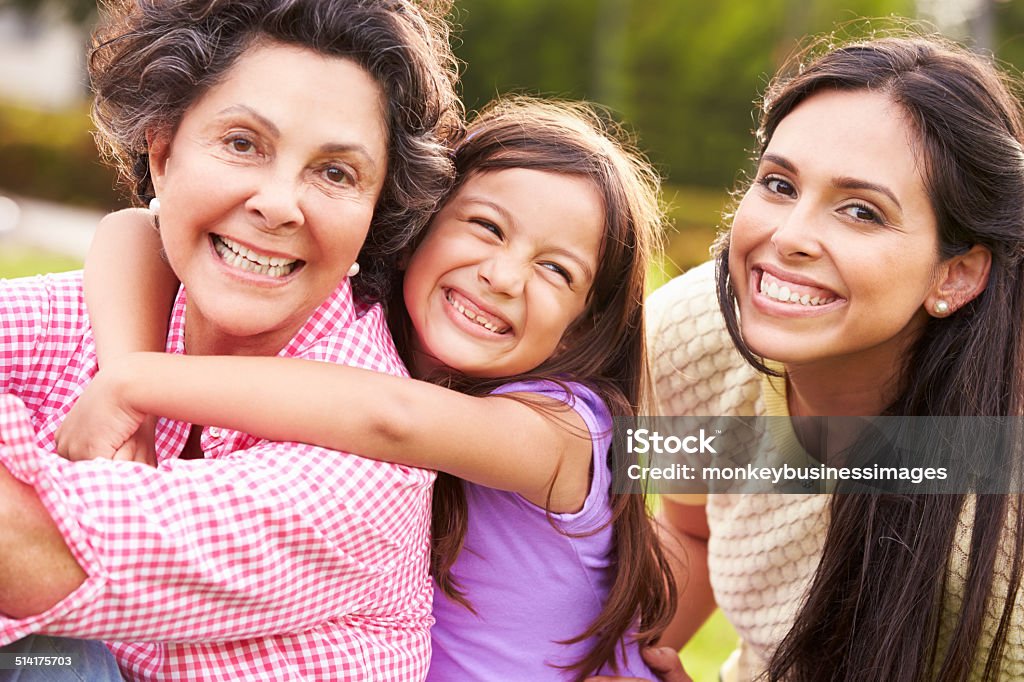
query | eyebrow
(843,182)
(328,148)
(854,183)
(507,217)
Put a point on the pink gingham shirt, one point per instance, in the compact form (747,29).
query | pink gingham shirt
(263,561)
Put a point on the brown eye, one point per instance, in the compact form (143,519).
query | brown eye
(558,270)
(241,145)
(778,186)
(337,176)
(863,213)
(489,226)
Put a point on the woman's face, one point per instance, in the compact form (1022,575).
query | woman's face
(267,188)
(834,248)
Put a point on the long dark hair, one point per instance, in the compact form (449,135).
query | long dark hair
(604,349)
(874,608)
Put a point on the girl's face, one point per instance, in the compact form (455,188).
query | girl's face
(267,188)
(504,269)
(834,248)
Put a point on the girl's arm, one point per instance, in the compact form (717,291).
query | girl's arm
(493,441)
(683,531)
(129,288)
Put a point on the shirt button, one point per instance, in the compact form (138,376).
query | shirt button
(214,432)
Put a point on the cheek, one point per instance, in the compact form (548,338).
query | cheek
(737,262)
(744,235)
(175,242)
(343,239)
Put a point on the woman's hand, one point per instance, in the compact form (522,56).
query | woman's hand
(663,662)
(103,424)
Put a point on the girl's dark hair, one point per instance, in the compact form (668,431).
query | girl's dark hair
(152,59)
(604,349)
(874,608)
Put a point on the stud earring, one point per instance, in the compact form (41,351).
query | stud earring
(354,270)
(941,307)
(154,206)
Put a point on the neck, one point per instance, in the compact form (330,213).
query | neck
(811,392)
(201,339)
(842,387)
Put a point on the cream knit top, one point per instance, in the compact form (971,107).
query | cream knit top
(764,548)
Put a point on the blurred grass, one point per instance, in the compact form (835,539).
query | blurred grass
(694,217)
(705,653)
(20,261)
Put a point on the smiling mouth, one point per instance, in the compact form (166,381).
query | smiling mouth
(473,314)
(796,294)
(244,258)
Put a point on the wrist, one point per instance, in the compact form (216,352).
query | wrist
(122,378)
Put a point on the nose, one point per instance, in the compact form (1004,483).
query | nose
(504,274)
(798,233)
(276,200)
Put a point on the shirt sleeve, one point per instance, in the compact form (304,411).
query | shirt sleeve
(39,316)
(273,539)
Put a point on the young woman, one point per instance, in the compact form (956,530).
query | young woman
(874,266)
(524,293)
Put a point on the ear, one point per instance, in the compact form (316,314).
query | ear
(959,281)
(159,146)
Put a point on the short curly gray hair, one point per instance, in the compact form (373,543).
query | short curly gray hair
(152,59)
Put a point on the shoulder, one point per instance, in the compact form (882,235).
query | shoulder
(62,289)
(576,396)
(683,302)
(695,366)
(46,304)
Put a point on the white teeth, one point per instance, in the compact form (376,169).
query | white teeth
(471,315)
(783,293)
(243,258)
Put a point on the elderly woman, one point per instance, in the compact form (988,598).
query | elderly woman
(278,136)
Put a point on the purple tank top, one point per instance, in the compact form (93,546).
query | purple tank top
(530,585)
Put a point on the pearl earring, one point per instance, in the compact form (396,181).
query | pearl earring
(941,307)
(154,206)
(354,270)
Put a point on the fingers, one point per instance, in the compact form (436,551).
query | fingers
(664,662)
(138,448)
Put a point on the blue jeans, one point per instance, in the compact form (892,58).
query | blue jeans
(93,661)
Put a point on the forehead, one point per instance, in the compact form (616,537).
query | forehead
(300,90)
(553,207)
(856,134)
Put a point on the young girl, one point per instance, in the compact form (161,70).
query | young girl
(524,294)
(875,266)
